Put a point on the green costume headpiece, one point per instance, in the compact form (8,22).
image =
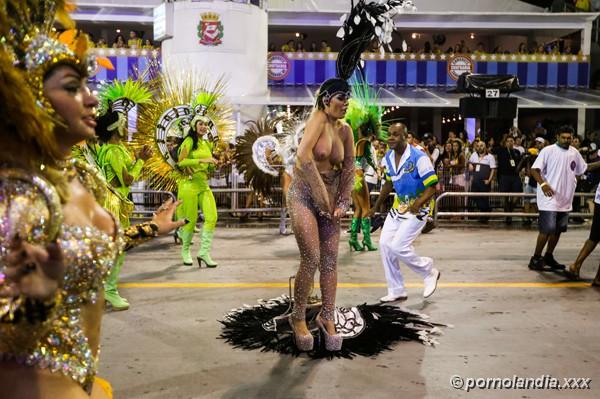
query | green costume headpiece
(363,112)
(122,97)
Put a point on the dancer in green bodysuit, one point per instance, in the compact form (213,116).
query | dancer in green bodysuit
(121,169)
(196,159)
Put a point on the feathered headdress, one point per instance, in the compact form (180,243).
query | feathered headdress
(363,112)
(366,22)
(29,48)
(122,97)
(161,123)
(38,47)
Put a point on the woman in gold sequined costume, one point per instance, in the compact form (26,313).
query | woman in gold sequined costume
(317,198)
(57,244)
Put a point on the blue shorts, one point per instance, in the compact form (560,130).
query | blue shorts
(552,222)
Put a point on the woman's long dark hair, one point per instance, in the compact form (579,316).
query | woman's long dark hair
(194,135)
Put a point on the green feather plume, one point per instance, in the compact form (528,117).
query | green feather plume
(135,91)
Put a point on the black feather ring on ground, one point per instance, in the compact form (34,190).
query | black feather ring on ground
(368,330)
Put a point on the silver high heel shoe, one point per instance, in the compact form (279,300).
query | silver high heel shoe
(304,343)
(333,343)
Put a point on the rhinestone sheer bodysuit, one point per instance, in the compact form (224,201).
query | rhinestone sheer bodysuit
(316,232)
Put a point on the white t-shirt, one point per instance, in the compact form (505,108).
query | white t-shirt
(560,168)
(487,159)
(597,197)
(521,149)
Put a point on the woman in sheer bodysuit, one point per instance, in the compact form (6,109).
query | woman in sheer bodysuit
(317,198)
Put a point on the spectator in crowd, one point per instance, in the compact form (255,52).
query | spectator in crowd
(313,47)
(300,47)
(325,47)
(451,136)
(522,49)
(589,142)
(555,170)
(119,42)
(457,165)
(519,144)
(431,148)
(582,5)
(508,173)
(480,49)
(492,147)
(272,47)
(101,43)
(413,139)
(498,49)
(148,45)
(427,48)
(371,174)
(529,183)
(289,47)
(447,151)
(134,41)
(482,168)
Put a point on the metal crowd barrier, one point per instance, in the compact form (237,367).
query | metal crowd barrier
(147,201)
(437,213)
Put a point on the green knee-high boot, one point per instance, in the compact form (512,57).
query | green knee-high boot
(204,251)
(354,244)
(186,242)
(111,294)
(366,230)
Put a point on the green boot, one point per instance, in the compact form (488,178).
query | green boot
(186,241)
(354,244)
(366,229)
(111,294)
(204,251)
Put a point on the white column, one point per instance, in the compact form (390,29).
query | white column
(586,39)
(580,122)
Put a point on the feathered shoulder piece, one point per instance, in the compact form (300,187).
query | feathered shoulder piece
(259,152)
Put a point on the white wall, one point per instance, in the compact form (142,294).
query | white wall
(242,56)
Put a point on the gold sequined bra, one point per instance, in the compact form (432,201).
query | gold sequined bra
(56,341)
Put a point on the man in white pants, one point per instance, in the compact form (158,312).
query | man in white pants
(411,175)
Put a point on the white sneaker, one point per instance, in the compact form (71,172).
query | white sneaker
(392,298)
(431,283)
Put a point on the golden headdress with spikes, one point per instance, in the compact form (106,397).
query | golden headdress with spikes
(37,47)
(29,49)
(163,123)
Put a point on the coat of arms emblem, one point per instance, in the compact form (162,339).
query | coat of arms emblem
(210,29)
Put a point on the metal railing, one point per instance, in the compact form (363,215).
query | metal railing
(437,213)
(147,201)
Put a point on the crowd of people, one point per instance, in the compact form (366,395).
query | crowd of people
(488,165)
(557,47)
(133,42)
